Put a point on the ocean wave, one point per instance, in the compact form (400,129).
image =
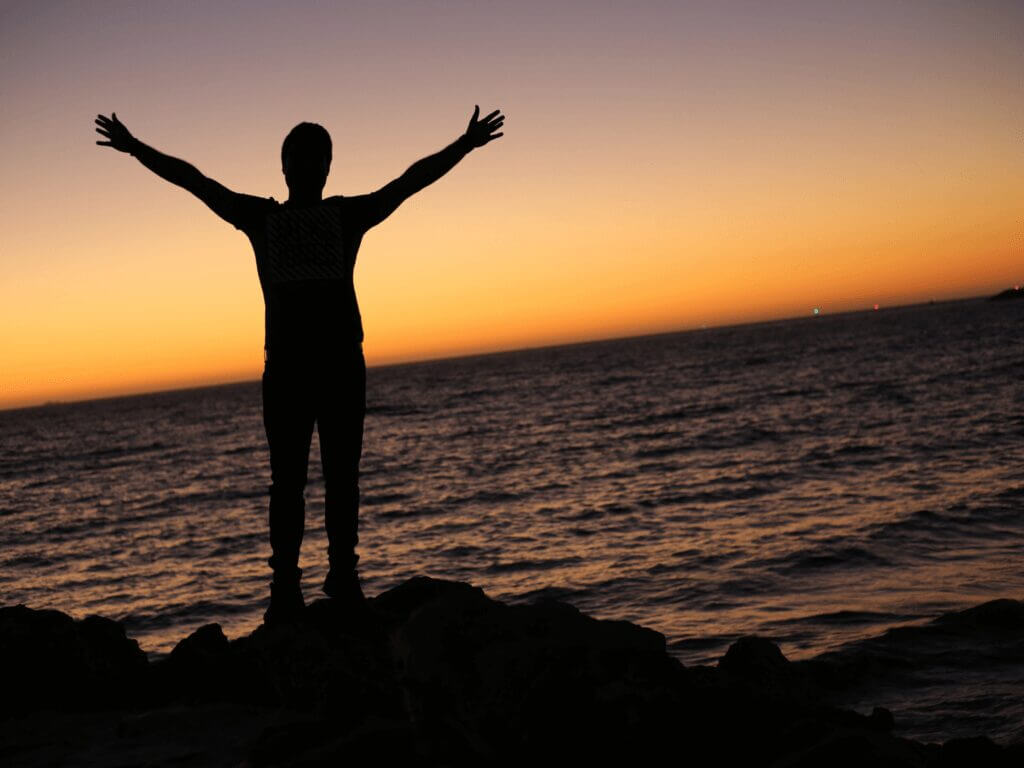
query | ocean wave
(537,564)
(847,618)
(984,635)
(836,555)
(376,499)
(728,492)
(172,498)
(394,409)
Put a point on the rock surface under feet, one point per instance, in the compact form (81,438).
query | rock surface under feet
(429,673)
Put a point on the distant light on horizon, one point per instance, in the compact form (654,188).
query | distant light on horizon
(816,311)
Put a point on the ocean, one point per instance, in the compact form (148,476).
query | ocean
(819,481)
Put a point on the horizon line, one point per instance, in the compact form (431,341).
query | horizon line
(469,355)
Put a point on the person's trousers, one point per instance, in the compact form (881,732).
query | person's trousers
(331,394)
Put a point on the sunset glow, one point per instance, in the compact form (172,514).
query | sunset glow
(663,167)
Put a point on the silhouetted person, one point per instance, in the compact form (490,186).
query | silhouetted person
(314,371)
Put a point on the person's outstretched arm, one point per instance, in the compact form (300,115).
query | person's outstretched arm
(230,206)
(377,206)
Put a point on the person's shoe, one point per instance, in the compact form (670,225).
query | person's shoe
(344,586)
(286,603)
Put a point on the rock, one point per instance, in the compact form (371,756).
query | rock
(1002,615)
(1010,293)
(754,657)
(198,669)
(971,639)
(435,672)
(977,752)
(206,647)
(49,660)
(397,604)
(503,680)
(332,659)
(322,742)
(848,748)
(881,719)
(758,665)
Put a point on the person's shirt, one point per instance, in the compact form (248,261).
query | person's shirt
(305,259)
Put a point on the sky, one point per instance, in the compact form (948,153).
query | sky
(665,165)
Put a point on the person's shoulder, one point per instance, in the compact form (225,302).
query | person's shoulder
(248,211)
(254,203)
(349,207)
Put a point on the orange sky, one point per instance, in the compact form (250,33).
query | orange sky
(662,168)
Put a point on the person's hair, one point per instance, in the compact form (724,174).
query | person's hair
(307,136)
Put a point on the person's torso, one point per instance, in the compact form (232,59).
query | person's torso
(305,258)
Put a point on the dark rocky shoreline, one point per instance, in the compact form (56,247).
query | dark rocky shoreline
(434,673)
(1008,294)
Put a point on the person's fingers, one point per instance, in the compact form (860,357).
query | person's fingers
(496,136)
(491,115)
(104,143)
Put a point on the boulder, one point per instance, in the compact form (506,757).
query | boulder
(508,680)
(50,661)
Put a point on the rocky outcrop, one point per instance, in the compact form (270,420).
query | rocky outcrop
(429,673)
(1009,294)
(50,661)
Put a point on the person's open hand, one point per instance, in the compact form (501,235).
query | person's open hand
(119,137)
(480,132)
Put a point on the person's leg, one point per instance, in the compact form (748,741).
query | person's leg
(340,424)
(288,419)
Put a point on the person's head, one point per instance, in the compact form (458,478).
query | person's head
(306,158)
